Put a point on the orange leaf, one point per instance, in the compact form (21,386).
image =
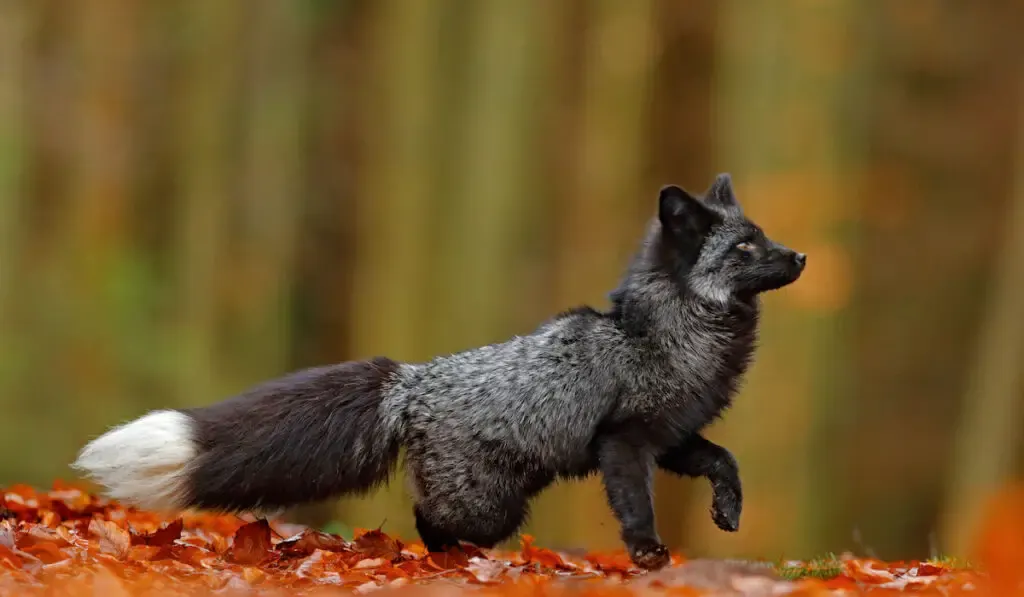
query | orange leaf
(618,562)
(113,539)
(544,557)
(309,541)
(39,534)
(253,575)
(929,570)
(144,553)
(165,535)
(252,543)
(90,554)
(375,544)
(48,553)
(450,560)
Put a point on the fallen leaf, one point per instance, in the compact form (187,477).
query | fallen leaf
(7,534)
(544,557)
(113,539)
(165,535)
(41,534)
(9,556)
(485,571)
(375,544)
(145,553)
(867,571)
(48,553)
(125,552)
(309,541)
(369,563)
(252,544)
(367,587)
(453,558)
(929,570)
(610,563)
(253,575)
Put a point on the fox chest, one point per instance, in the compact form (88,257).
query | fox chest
(699,379)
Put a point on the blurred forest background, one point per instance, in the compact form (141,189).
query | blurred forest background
(196,196)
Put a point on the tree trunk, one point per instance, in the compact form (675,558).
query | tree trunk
(599,223)
(784,77)
(394,203)
(989,440)
(205,161)
(16,28)
(940,137)
(270,200)
(93,310)
(680,143)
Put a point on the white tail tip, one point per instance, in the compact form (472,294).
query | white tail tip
(144,462)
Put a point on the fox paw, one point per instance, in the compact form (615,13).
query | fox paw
(727,521)
(649,555)
(725,510)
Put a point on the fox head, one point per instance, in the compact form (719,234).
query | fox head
(716,251)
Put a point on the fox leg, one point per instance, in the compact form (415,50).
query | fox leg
(459,500)
(627,471)
(445,521)
(435,538)
(697,457)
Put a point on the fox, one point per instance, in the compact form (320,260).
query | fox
(618,392)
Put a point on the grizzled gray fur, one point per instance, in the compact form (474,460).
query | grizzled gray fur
(616,392)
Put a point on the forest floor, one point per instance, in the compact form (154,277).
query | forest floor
(69,542)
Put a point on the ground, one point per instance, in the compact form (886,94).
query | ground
(69,542)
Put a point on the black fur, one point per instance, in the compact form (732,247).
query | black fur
(307,436)
(686,223)
(695,456)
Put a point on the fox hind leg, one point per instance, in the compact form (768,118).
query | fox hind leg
(442,523)
(435,538)
(461,497)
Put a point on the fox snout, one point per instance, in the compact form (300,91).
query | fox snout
(781,267)
(800,259)
(792,262)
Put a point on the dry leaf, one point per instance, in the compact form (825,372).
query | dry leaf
(544,557)
(375,544)
(252,543)
(167,533)
(113,539)
(309,541)
(100,548)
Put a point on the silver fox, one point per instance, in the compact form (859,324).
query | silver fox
(616,392)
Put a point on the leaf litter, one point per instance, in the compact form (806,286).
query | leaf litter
(68,541)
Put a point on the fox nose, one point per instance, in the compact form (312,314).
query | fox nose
(800,259)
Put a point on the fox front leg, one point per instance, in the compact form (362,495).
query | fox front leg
(627,470)
(698,457)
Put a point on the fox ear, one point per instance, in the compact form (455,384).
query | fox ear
(682,214)
(721,192)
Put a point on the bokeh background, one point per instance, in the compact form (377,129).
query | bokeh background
(196,196)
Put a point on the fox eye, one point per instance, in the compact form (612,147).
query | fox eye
(746,247)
